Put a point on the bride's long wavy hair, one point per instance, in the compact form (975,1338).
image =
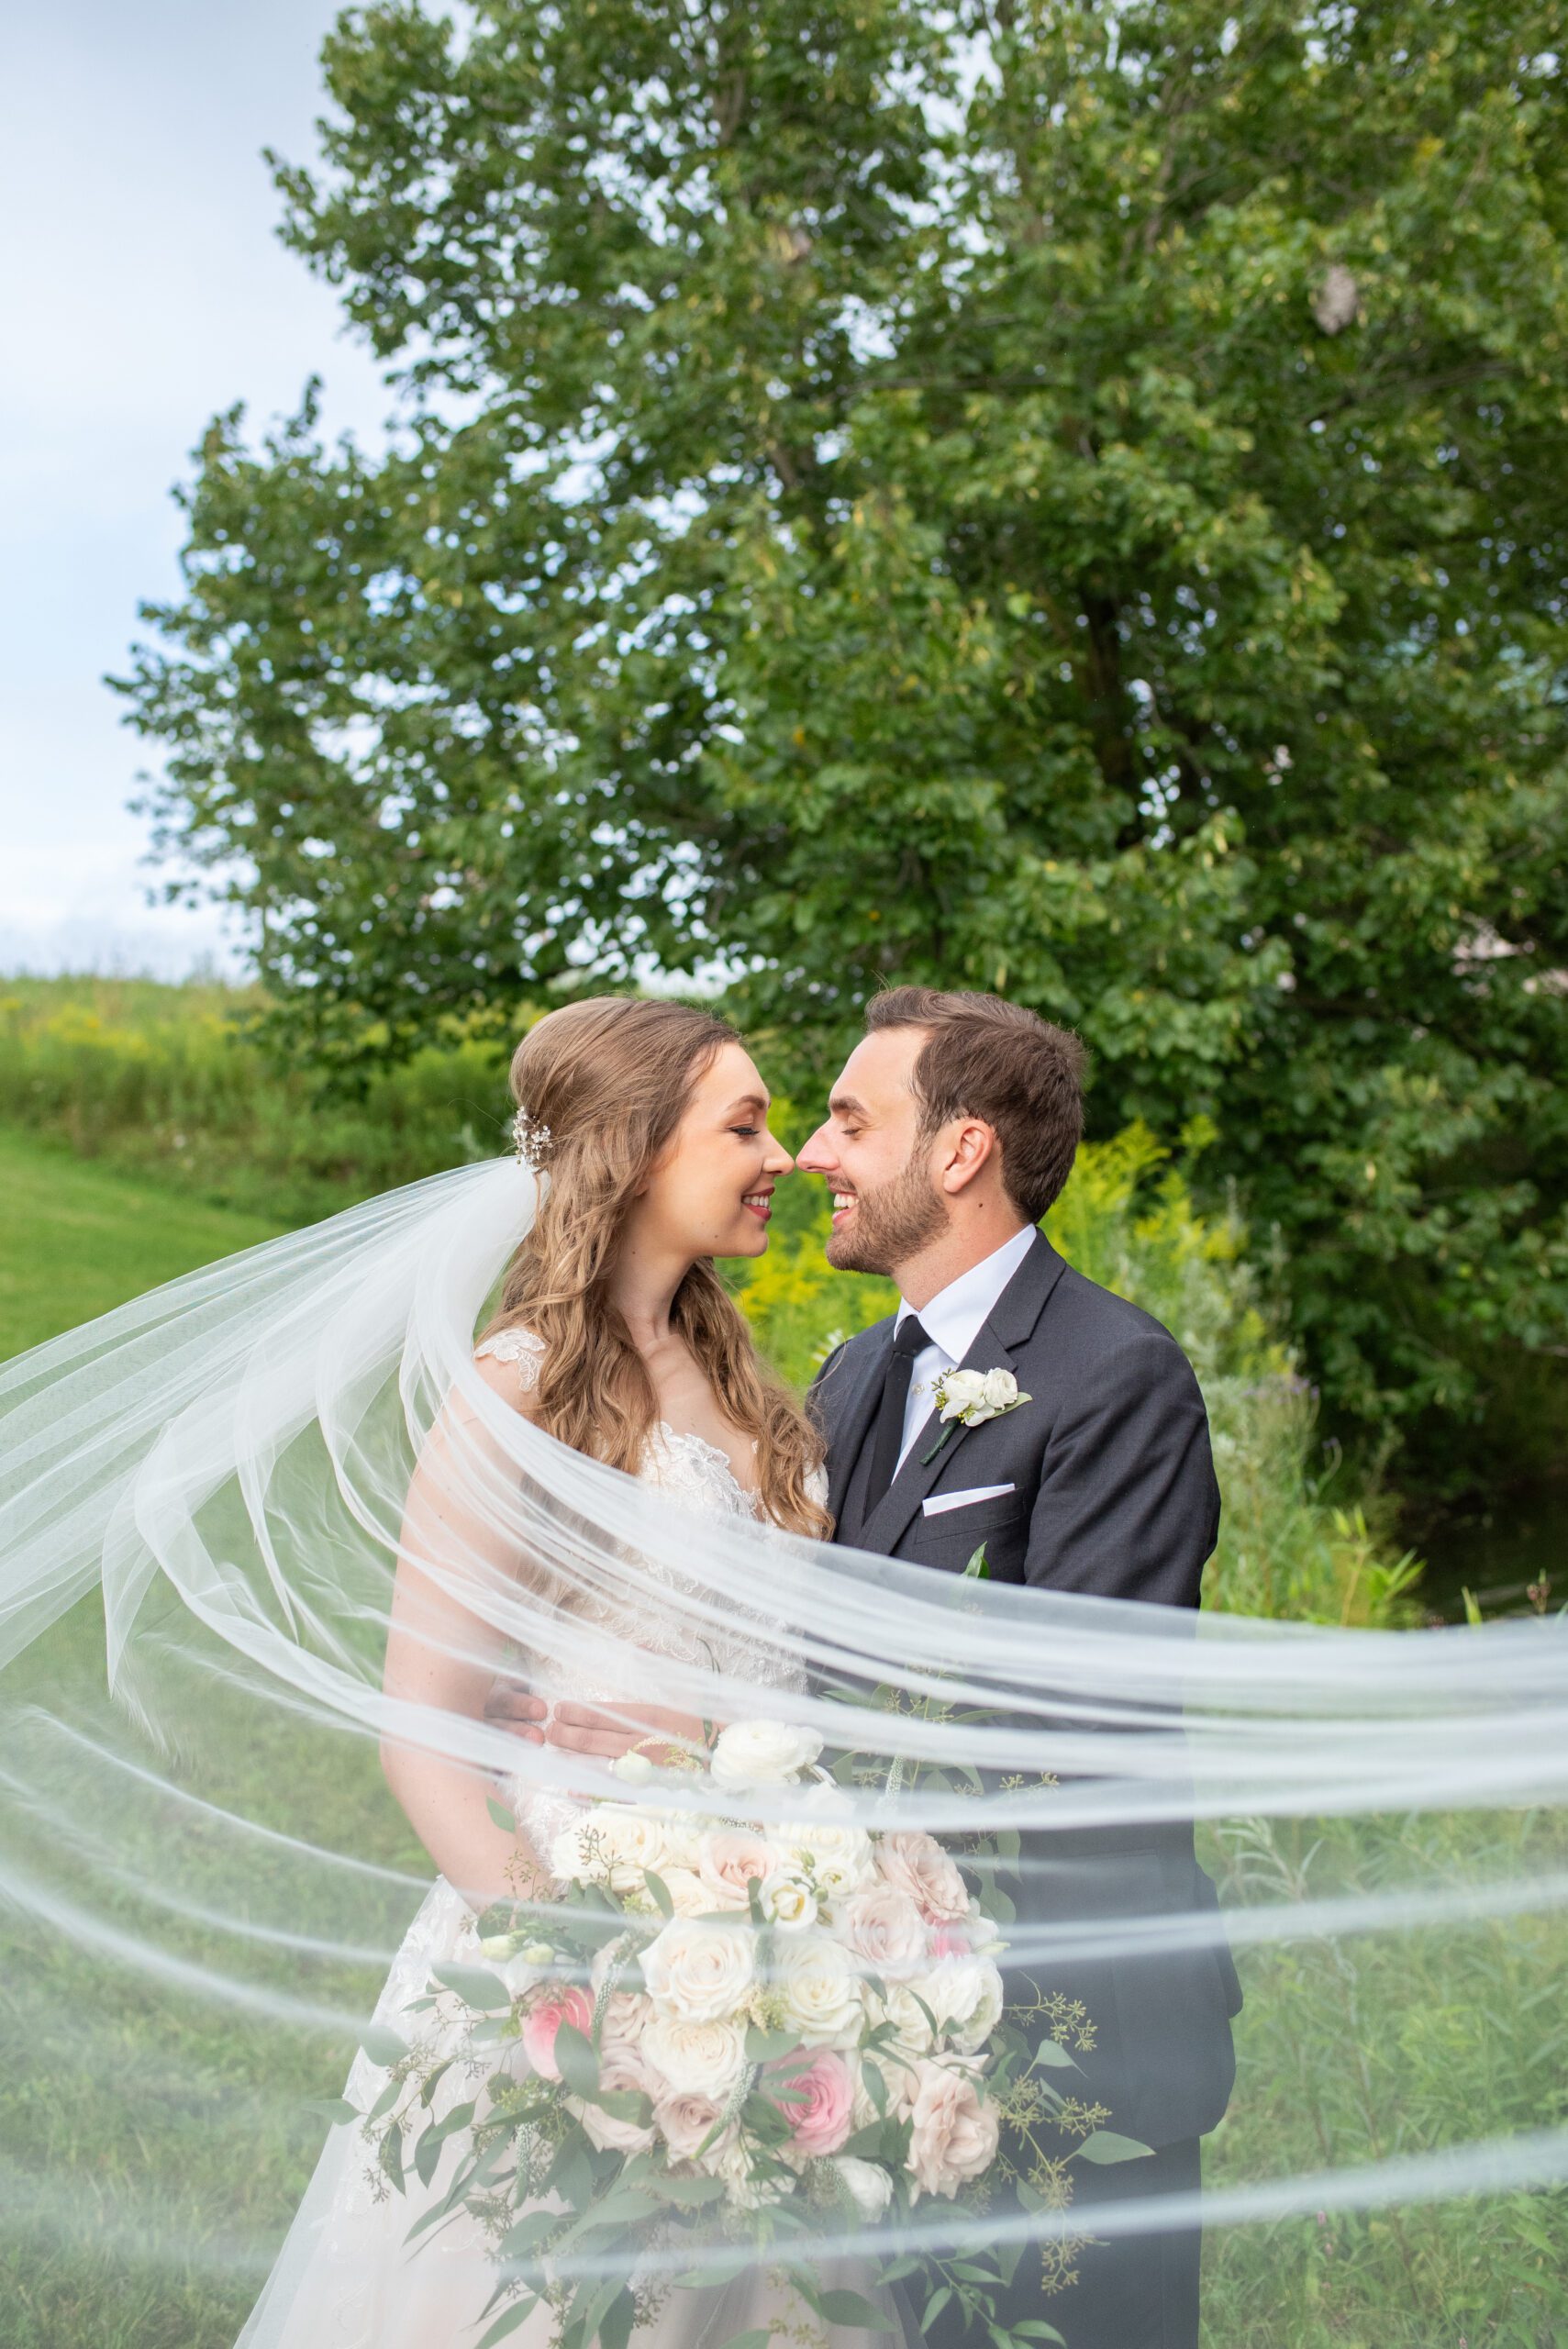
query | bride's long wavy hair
(611,1078)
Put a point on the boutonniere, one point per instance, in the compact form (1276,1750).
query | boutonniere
(968,1399)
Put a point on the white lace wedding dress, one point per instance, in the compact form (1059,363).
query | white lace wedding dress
(347,2276)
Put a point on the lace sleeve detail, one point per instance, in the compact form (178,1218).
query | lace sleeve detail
(520,1346)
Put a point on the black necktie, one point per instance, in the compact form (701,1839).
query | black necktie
(887,1440)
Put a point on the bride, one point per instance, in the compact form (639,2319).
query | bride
(615,1336)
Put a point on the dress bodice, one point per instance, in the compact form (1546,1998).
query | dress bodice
(700,1474)
(687,1464)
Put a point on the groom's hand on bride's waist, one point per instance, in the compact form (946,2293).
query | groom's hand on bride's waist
(605,1730)
(509,1707)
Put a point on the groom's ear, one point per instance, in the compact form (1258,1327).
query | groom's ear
(968,1146)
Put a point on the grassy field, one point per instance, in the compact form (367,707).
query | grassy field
(77,1239)
(142,2092)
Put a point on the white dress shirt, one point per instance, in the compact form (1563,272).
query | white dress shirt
(953,1320)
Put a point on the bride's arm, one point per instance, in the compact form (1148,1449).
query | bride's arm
(441,1653)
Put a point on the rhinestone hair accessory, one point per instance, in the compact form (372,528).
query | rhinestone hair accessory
(532,1139)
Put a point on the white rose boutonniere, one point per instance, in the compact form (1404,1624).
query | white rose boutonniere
(969,1398)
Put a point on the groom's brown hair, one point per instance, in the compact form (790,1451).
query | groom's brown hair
(984,1058)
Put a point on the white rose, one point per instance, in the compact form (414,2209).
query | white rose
(700,1972)
(632,1769)
(986,1936)
(1000,1389)
(689,1896)
(730,2159)
(753,1753)
(615,1844)
(837,1855)
(897,2005)
(694,2058)
(965,1994)
(787,1901)
(870,2188)
(816,1992)
(963,1392)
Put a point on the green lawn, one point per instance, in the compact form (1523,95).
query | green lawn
(77,1241)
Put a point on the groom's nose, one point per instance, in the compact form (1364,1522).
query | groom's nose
(816,1156)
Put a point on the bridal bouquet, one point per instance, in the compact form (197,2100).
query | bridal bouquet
(728,2036)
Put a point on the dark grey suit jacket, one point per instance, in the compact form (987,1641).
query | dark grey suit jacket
(1113,1494)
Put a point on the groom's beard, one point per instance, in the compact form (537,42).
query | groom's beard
(889,1225)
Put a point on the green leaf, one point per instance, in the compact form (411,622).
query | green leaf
(335,2108)
(390,2156)
(616,2324)
(660,1892)
(689,2193)
(758,2338)
(1104,2145)
(509,2321)
(978,1568)
(526,2234)
(382,2047)
(501,1815)
(840,2305)
(764,2046)
(428,2154)
(475,1985)
(624,2208)
(935,2306)
(1054,2056)
(625,2104)
(577,2062)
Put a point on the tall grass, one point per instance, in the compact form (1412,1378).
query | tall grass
(169,1081)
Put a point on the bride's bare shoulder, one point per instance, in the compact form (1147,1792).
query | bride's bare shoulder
(508,1361)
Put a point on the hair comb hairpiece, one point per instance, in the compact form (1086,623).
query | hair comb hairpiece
(532,1139)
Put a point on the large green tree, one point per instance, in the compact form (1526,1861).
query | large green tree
(1072,500)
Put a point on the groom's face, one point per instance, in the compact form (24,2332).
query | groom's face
(886,1206)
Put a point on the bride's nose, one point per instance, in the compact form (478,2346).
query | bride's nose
(778,1160)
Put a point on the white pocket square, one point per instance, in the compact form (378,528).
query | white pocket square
(938,1502)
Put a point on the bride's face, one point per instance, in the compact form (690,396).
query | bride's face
(712,1191)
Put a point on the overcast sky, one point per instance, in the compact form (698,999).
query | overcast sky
(142,288)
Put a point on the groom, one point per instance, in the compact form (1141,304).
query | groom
(950,1133)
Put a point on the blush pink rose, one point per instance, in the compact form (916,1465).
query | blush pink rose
(821,2099)
(952,2132)
(621,2072)
(545,2018)
(684,2121)
(730,1859)
(915,1863)
(951,1941)
(885,1931)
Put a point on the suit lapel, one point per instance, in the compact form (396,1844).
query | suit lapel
(1008,1328)
(851,1414)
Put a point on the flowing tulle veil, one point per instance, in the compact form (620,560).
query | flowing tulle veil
(204,1500)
